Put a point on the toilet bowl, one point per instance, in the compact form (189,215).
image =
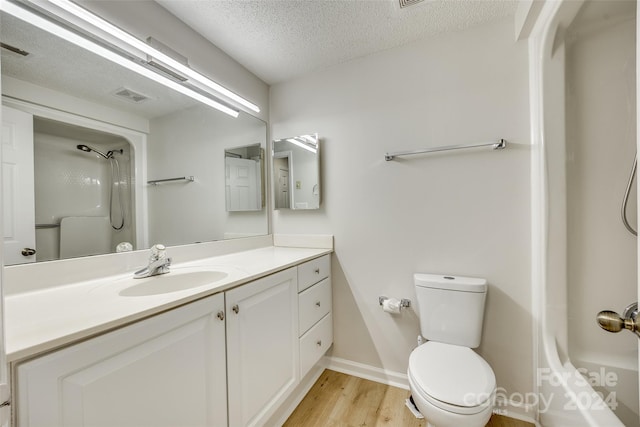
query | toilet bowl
(452,386)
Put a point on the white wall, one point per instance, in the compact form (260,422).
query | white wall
(192,143)
(464,213)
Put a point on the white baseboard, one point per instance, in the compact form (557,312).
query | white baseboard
(509,409)
(360,370)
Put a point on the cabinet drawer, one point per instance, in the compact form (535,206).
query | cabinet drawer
(313,304)
(315,343)
(313,271)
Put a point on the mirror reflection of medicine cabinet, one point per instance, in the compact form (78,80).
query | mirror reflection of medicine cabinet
(244,178)
(296,172)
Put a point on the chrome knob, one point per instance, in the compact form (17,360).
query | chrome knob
(220,315)
(235,308)
(28,252)
(158,251)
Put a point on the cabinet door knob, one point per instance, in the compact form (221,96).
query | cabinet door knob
(317,303)
(220,315)
(28,252)
(317,271)
(235,308)
(319,343)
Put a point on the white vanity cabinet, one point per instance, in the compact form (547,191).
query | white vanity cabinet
(168,370)
(315,321)
(233,359)
(262,347)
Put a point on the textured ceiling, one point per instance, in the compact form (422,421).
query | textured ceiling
(280,39)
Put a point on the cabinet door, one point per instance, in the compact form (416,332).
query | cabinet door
(262,346)
(168,370)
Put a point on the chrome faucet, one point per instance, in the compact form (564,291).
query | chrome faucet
(158,263)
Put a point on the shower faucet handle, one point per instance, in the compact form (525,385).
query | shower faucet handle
(612,322)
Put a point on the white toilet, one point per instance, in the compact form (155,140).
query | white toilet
(451,385)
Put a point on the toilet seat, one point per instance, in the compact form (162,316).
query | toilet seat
(452,378)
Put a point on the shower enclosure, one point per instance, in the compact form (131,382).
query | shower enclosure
(583,77)
(83,194)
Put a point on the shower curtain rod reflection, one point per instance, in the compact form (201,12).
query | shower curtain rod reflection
(495,145)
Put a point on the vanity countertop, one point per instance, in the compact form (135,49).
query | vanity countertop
(42,320)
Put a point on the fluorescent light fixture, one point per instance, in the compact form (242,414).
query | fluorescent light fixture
(132,41)
(313,139)
(302,145)
(85,43)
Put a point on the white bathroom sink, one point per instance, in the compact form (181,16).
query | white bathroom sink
(173,281)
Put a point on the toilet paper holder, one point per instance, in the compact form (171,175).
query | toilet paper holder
(404,302)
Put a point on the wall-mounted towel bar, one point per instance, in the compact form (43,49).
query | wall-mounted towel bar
(495,145)
(181,178)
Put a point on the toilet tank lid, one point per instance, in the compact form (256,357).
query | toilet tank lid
(453,283)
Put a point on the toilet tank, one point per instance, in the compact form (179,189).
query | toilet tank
(451,308)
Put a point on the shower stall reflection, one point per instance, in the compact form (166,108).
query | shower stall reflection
(115,186)
(83,192)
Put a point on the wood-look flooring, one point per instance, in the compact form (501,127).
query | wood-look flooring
(339,400)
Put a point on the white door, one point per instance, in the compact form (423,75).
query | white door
(5,413)
(283,189)
(282,177)
(262,347)
(17,187)
(242,185)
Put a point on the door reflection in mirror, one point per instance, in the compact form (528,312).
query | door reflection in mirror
(244,190)
(296,170)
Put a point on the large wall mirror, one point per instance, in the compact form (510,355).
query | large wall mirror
(296,172)
(83,136)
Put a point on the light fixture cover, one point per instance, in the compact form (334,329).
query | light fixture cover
(74,37)
(157,55)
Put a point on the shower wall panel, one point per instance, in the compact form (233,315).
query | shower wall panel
(601,145)
(72,183)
